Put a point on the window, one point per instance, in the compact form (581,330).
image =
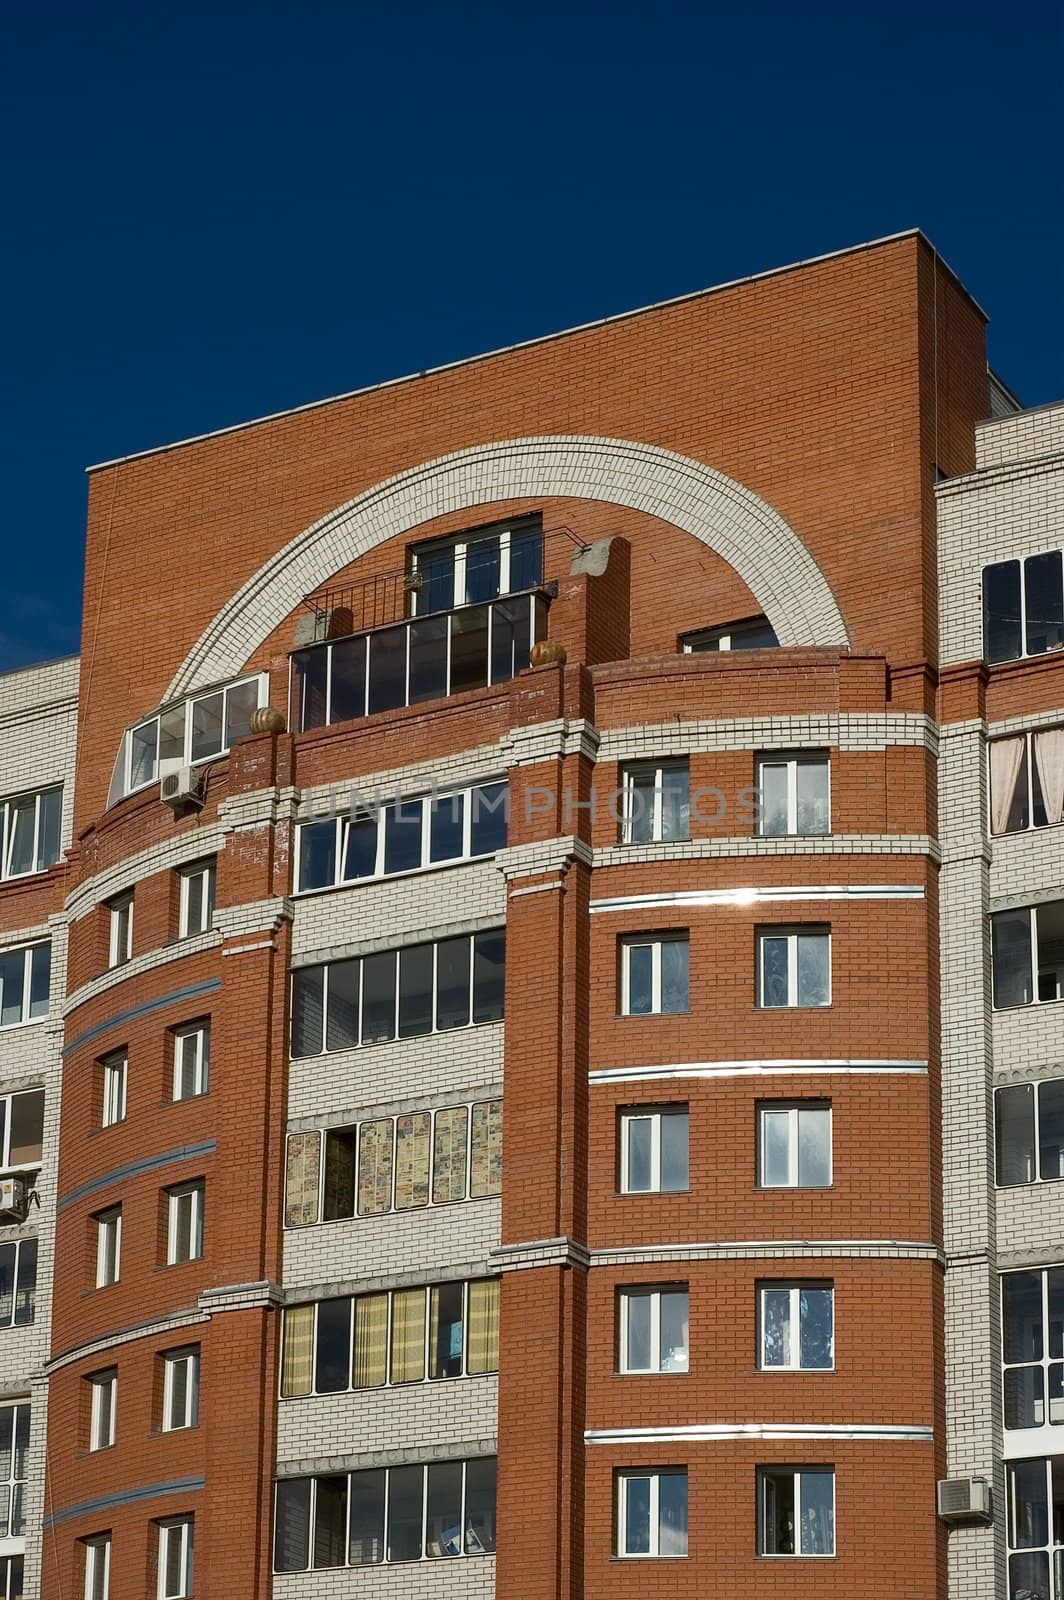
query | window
(796,1511)
(400,1163)
(181,1369)
(197,899)
(29,834)
(1032,1347)
(793,967)
(794,795)
(18,1284)
(120,949)
(431,831)
(656,802)
(1023,607)
(108,1246)
(755,633)
(184,1237)
(654,1144)
(97,1567)
(652,1513)
(191,731)
(1035,1496)
(175,1558)
(389,1514)
(795,1146)
(1027,954)
(654,974)
(479,565)
(14,1449)
(653,1329)
(103,1390)
(11,1578)
(415,1335)
(114,1069)
(21,1130)
(1026,780)
(192,1059)
(796,1327)
(25,975)
(1029,1119)
(422,988)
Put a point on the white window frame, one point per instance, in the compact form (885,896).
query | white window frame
(18,1246)
(103,1408)
(120,942)
(98,1567)
(1021,560)
(193,1039)
(189,1357)
(460,545)
(108,1246)
(655,1553)
(791,936)
(776,1108)
(655,941)
(696,643)
(194,1193)
(181,1529)
(653,1294)
(794,1319)
(635,769)
(653,1115)
(6,1164)
(205,872)
(797,1474)
(115,1069)
(1027,735)
(791,763)
(28,952)
(128,787)
(7,834)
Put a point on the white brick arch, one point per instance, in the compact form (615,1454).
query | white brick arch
(734,522)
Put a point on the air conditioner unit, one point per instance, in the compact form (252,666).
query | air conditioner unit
(12,1199)
(183,787)
(964,1499)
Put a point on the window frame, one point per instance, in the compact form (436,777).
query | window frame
(194,1191)
(1035,1085)
(460,543)
(186,704)
(1028,736)
(108,1246)
(114,1068)
(653,1475)
(1021,562)
(791,761)
(188,1356)
(792,933)
(794,1287)
(794,1108)
(205,872)
(626,1294)
(7,1101)
(702,640)
(103,1409)
(120,930)
(653,1114)
(97,1566)
(634,769)
(21,1246)
(7,835)
(27,1014)
(806,1469)
(628,942)
(200,1032)
(1034,947)
(182,1527)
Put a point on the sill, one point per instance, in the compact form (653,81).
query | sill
(766,1555)
(792,1188)
(1026,1005)
(661,1372)
(375,1388)
(616,1557)
(165,1433)
(106,1127)
(398,1038)
(647,1194)
(375,1216)
(648,1016)
(27,1022)
(391,877)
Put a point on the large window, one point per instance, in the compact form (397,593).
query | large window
(1027,947)
(794,1145)
(655,977)
(753,633)
(21,1130)
(793,967)
(1027,780)
(181,1384)
(652,1329)
(194,730)
(402,1163)
(796,1327)
(1032,1347)
(25,974)
(103,1391)
(29,833)
(108,1246)
(652,1513)
(1035,1495)
(184,1230)
(653,1149)
(656,802)
(175,1558)
(796,1511)
(398,994)
(445,1330)
(794,794)
(478,565)
(392,1514)
(196,908)
(1029,1121)
(430,831)
(1023,607)
(192,1060)
(14,1449)
(18,1283)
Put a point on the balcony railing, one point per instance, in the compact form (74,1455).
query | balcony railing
(424,658)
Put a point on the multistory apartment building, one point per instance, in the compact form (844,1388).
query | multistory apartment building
(526,928)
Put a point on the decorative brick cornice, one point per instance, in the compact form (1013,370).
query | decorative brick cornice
(550,741)
(542,856)
(258,808)
(560,1252)
(178,851)
(265,1295)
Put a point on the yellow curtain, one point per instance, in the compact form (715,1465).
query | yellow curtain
(483,1336)
(408,1336)
(297,1360)
(371,1340)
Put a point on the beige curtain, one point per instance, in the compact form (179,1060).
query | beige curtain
(371,1341)
(297,1359)
(449,1156)
(483,1350)
(1006,759)
(408,1336)
(301,1180)
(1049,761)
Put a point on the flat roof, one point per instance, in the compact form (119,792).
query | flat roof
(543,338)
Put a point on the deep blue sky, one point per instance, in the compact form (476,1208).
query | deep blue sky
(214,212)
